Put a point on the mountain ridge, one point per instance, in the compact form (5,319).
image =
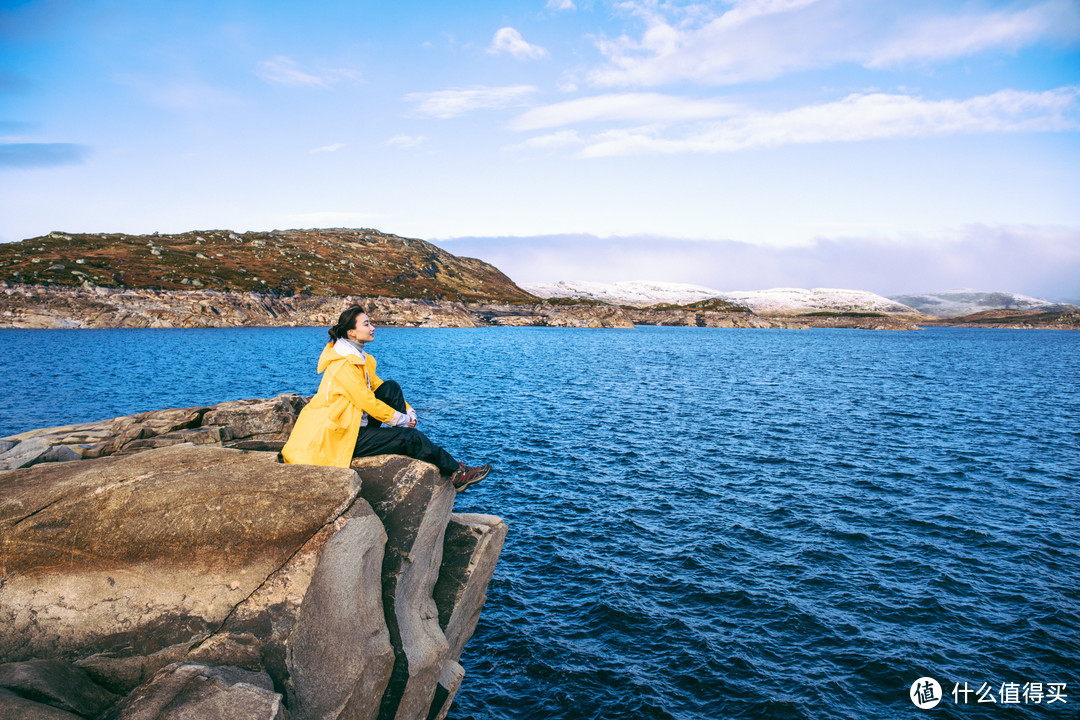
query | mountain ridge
(949,304)
(337,261)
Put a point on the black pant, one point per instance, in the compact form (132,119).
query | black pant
(377,439)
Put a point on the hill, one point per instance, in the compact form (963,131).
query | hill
(631,292)
(333,262)
(958,303)
(778,301)
(799,301)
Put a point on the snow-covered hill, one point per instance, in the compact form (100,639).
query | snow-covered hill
(798,300)
(634,292)
(956,303)
(778,300)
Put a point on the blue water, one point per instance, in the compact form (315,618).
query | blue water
(704,523)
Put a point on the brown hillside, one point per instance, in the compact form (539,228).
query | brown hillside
(287,262)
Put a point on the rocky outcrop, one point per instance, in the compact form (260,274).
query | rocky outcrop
(1015,320)
(193,581)
(242,424)
(56,307)
(42,306)
(61,307)
(685,317)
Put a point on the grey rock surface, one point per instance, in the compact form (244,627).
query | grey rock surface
(192,691)
(414,503)
(470,552)
(24,454)
(15,707)
(56,683)
(267,420)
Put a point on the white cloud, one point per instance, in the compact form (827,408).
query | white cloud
(508,40)
(1043,261)
(637,107)
(941,38)
(856,117)
(405,141)
(281,70)
(561,5)
(763,39)
(445,104)
(328,148)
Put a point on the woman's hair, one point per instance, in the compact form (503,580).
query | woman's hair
(345,322)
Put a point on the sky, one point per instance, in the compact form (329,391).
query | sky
(741,145)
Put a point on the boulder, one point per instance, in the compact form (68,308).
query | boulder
(57,684)
(130,563)
(269,420)
(15,707)
(26,453)
(471,549)
(414,503)
(470,552)
(123,570)
(192,691)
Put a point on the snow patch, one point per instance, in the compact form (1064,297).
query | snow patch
(956,303)
(778,300)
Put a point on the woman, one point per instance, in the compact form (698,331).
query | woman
(346,417)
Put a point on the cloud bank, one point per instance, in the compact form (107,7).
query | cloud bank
(758,40)
(681,125)
(1038,261)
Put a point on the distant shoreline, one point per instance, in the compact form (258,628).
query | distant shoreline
(24,306)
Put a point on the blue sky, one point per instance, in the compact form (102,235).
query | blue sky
(893,147)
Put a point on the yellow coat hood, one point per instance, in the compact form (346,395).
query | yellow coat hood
(326,431)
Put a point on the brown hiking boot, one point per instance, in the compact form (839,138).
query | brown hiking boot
(465,476)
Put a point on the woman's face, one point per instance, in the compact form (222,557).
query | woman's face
(364,331)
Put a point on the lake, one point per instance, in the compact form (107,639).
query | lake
(705,523)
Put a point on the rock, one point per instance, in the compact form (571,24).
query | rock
(116,568)
(156,422)
(16,707)
(213,435)
(268,420)
(449,683)
(36,450)
(192,691)
(243,424)
(58,684)
(414,503)
(471,549)
(340,658)
(26,453)
(186,548)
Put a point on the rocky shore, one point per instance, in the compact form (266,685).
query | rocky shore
(52,306)
(168,565)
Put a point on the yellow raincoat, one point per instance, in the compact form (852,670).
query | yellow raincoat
(326,431)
